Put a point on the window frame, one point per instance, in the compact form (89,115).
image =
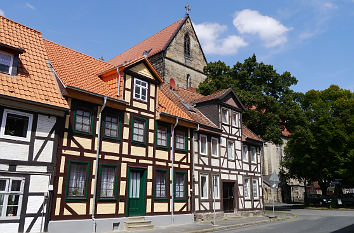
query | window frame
(245,157)
(253,189)
(248,188)
(69,198)
(253,159)
(4,120)
(168,139)
(11,62)
(185,140)
(112,113)
(84,107)
(8,192)
(178,199)
(115,191)
(201,186)
(233,150)
(167,186)
(234,122)
(217,146)
(187,45)
(227,116)
(200,144)
(145,131)
(218,186)
(141,87)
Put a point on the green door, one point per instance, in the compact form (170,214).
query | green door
(136,192)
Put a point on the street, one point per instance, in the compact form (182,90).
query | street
(309,221)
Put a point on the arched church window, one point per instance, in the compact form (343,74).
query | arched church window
(189,81)
(187,46)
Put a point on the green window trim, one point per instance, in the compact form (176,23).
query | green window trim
(167,147)
(115,183)
(177,199)
(119,115)
(159,199)
(145,131)
(185,140)
(68,198)
(93,117)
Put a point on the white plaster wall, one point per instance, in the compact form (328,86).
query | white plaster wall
(47,153)
(37,225)
(13,151)
(34,203)
(9,227)
(44,125)
(38,183)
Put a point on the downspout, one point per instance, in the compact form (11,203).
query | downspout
(261,153)
(173,175)
(118,81)
(193,185)
(96,169)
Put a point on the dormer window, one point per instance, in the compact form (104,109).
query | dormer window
(187,46)
(6,62)
(140,89)
(225,116)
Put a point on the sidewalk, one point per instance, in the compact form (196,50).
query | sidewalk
(222,224)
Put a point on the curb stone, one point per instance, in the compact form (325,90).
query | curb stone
(219,228)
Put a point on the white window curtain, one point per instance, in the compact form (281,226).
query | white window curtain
(107,181)
(203,144)
(230,150)
(253,154)
(247,188)
(77,180)
(225,115)
(255,188)
(214,146)
(204,186)
(245,153)
(11,193)
(134,185)
(179,185)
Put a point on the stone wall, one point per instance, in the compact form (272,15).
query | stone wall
(180,69)
(157,61)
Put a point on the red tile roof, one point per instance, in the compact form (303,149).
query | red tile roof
(247,133)
(34,80)
(81,71)
(215,95)
(156,43)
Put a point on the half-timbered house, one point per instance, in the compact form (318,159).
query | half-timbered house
(224,170)
(125,149)
(31,113)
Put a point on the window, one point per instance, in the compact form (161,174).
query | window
(225,115)
(134,184)
(139,130)
(253,155)
(216,188)
(189,81)
(187,46)
(180,185)
(234,119)
(247,189)
(204,186)
(180,139)
(83,121)
(230,150)
(78,180)
(108,182)
(6,62)
(140,89)
(161,181)
(11,193)
(162,136)
(245,153)
(111,127)
(203,145)
(214,146)
(255,188)
(16,125)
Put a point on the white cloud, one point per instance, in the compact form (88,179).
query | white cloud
(209,36)
(30,6)
(330,5)
(271,31)
(2,13)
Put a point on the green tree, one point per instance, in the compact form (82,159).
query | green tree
(322,148)
(271,104)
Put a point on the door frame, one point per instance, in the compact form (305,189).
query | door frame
(234,194)
(142,185)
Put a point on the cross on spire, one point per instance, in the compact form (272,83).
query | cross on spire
(187,9)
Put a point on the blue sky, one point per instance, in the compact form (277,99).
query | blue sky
(312,39)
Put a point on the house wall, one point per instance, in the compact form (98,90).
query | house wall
(126,155)
(177,65)
(33,161)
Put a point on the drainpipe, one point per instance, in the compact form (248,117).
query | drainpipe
(96,169)
(193,185)
(173,175)
(118,80)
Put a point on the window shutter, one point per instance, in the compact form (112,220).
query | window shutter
(14,66)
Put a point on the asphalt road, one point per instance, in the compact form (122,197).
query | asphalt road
(308,221)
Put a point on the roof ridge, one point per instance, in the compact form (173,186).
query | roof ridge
(78,52)
(1,16)
(148,38)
